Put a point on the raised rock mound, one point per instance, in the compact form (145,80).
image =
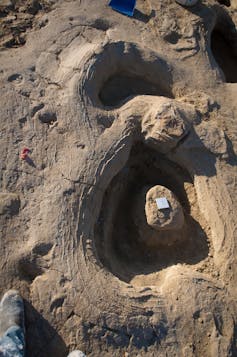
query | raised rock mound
(170,218)
(152,222)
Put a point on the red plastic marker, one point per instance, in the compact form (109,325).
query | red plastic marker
(24,153)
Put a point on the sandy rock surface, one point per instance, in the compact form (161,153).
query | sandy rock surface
(109,105)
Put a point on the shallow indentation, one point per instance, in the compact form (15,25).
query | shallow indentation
(101,24)
(172,37)
(29,269)
(9,204)
(47,117)
(42,248)
(16,78)
(119,246)
(22,121)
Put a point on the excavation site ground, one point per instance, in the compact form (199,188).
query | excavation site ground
(118,146)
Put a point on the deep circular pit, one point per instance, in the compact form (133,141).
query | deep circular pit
(118,242)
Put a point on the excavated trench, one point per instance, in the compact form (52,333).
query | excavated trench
(117,242)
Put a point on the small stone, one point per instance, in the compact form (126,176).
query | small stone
(165,125)
(168,218)
(158,227)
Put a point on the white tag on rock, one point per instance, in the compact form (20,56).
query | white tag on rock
(162,203)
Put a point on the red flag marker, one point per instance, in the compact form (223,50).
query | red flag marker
(24,153)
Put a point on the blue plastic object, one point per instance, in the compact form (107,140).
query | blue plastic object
(126,7)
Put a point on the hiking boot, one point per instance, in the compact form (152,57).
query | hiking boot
(11,311)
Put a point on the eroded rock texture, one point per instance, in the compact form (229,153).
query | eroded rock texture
(110,105)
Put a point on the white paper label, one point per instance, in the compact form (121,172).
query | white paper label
(162,203)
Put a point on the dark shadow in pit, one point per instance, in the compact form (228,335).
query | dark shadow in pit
(223,41)
(232,157)
(224,44)
(116,236)
(138,15)
(121,87)
(224,55)
(42,340)
(225,2)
